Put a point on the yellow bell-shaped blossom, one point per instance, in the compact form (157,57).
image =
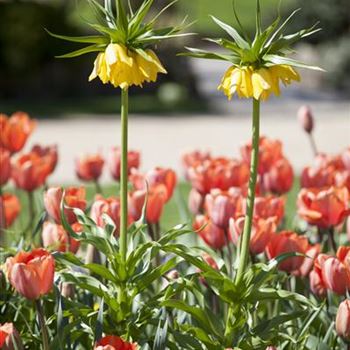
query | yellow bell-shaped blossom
(257,83)
(123,68)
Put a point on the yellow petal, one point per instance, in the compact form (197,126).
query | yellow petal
(261,81)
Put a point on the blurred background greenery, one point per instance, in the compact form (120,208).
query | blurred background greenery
(31,76)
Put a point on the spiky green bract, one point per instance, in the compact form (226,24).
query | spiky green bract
(123,25)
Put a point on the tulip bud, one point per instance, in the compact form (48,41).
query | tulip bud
(342,321)
(306,119)
(9,337)
(271,348)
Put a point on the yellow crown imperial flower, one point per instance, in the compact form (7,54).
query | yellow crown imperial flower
(258,65)
(122,67)
(123,43)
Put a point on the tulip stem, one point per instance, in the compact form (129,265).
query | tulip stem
(42,324)
(98,188)
(254,159)
(124,173)
(31,213)
(313,144)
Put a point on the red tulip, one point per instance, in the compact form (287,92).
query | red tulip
(9,209)
(56,238)
(270,151)
(317,285)
(5,166)
(288,242)
(9,337)
(89,168)
(316,177)
(194,158)
(268,207)
(195,202)
(306,118)
(31,273)
(109,206)
(167,177)
(49,153)
(113,342)
(218,173)
(156,199)
(221,206)
(342,179)
(342,321)
(29,171)
(311,254)
(262,232)
(74,197)
(115,159)
(325,207)
(335,276)
(332,273)
(279,179)
(14,131)
(211,234)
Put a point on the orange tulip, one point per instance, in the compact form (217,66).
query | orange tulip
(5,166)
(191,159)
(14,131)
(316,177)
(164,176)
(31,273)
(325,207)
(109,206)
(29,171)
(156,199)
(332,273)
(9,337)
(54,237)
(115,158)
(308,263)
(279,179)
(306,119)
(9,209)
(113,342)
(288,242)
(218,173)
(49,153)
(74,197)
(211,234)
(89,168)
(222,205)
(270,151)
(268,207)
(342,321)
(262,232)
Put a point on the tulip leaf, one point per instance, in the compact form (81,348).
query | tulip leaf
(99,322)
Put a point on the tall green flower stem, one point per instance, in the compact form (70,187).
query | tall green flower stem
(244,251)
(124,173)
(42,325)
